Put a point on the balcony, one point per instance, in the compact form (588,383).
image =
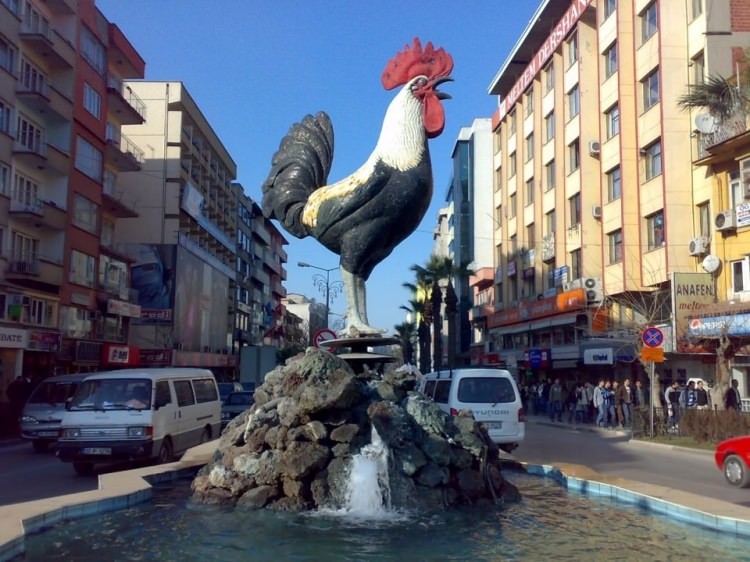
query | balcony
(39,214)
(548,247)
(34,272)
(123,102)
(43,98)
(62,7)
(721,131)
(482,278)
(115,201)
(121,153)
(480,311)
(39,38)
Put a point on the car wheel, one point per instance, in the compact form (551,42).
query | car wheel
(206,436)
(735,471)
(83,468)
(165,453)
(39,445)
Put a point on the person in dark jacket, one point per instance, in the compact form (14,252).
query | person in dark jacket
(701,397)
(733,400)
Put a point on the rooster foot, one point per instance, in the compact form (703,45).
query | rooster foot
(361,330)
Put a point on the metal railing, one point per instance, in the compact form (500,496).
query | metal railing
(114,136)
(127,94)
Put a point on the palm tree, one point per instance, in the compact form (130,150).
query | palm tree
(718,95)
(406,332)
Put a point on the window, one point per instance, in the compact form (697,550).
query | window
(512,165)
(85,213)
(25,191)
(529,191)
(7,56)
(92,50)
(650,86)
(551,223)
(512,119)
(13,6)
(549,127)
(29,134)
(610,60)
(649,23)
(573,102)
(4,117)
(23,248)
(704,219)
(575,209)
(549,173)
(530,236)
(698,65)
(615,247)
(442,391)
(32,79)
(608,8)
(696,8)
(528,102)
(614,184)
(575,264)
(88,159)
(571,48)
(549,78)
(512,204)
(108,233)
(529,142)
(92,101)
(574,155)
(205,390)
(655,228)
(34,21)
(113,276)
(162,396)
(740,276)
(184,392)
(736,189)
(4,182)
(613,121)
(82,269)
(652,160)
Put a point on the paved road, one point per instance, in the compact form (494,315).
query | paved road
(611,453)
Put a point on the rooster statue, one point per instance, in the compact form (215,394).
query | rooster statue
(363,217)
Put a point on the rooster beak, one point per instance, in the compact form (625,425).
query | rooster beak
(436,82)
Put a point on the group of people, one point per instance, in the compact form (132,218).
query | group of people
(611,403)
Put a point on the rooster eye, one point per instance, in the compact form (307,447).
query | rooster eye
(418,83)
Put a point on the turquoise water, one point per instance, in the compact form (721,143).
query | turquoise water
(549,524)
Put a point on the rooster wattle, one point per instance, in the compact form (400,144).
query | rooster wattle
(363,217)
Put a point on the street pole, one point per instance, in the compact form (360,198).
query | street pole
(328,297)
(651,371)
(324,285)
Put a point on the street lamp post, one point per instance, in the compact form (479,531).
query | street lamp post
(324,285)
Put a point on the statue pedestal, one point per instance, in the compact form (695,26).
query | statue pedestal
(356,351)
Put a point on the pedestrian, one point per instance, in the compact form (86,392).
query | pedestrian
(672,400)
(617,390)
(640,398)
(609,405)
(571,401)
(601,411)
(732,399)
(18,392)
(545,395)
(688,397)
(701,397)
(556,401)
(582,404)
(626,402)
(590,409)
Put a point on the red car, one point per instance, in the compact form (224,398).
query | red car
(733,457)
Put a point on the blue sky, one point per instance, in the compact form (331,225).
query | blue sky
(254,68)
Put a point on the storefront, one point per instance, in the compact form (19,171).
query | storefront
(12,343)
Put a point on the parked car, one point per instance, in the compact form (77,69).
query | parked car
(226,387)
(732,456)
(234,405)
(43,412)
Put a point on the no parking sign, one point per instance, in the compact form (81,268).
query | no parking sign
(323,335)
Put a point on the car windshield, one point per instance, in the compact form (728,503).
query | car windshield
(51,392)
(113,394)
(485,390)
(239,399)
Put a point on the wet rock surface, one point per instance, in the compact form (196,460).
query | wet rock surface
(293,449)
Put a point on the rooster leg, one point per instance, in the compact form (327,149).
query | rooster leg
(356,306)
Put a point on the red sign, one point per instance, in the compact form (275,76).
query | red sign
(323,335)
(529,310)
(115,354)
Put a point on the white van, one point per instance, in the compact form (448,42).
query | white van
(491,394)
(134,414)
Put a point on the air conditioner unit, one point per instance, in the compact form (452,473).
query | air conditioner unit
(698,246)
(596,211)
(593,288)
(595,148)
(573,285)
(725,221)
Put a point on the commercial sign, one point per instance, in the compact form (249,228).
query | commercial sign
(151,357)
(529,310)
(550,45)
(692,293)
(715,326)
(122,308)
(652,354)
(44,341)
(116,354)
(601,356)
(13,338)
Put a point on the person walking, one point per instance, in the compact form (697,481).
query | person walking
(609,405)
(626,402)
(733,400)
(640,398)
(601,411)
(672,399)
(556,401)
(701,397)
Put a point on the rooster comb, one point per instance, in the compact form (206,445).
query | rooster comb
(415,61)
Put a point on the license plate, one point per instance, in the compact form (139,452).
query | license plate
(96,451)
(47,434)
(495,425)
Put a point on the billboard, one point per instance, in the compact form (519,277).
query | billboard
(692,294)
(201,304)
(152,274)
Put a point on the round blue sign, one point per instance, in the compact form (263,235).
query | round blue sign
(652,337)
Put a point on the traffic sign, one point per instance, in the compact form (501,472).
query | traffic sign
(652,337)
(323,335)
(653,354)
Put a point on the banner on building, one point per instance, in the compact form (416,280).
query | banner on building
(692,294)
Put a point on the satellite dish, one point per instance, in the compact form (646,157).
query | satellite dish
(705,123)
(710,263)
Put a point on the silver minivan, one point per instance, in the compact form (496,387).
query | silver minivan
(43,412)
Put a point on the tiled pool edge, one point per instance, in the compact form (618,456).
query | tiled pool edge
(676,511)
(135,487)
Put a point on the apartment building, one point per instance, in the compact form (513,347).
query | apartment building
(260,274)
(183,243)
(64,299)
(597,198)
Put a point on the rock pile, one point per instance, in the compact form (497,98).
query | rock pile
(292,450)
